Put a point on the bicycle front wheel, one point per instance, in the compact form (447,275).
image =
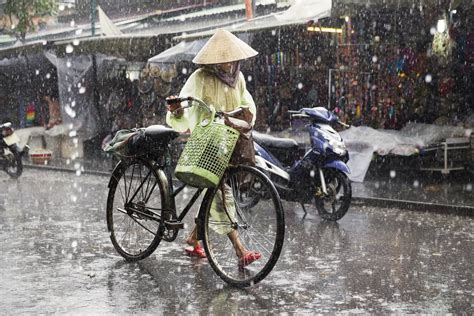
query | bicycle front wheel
(134,209)
(242,240)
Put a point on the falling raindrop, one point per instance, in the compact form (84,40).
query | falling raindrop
(374,59)
(82,90)
(300,86)
(72,133)
(274,32)
(428,78)
(78,31)
(393,174)
(469,187)
(69,49)
(68,64)
(184,71)
(72,23)
(433,31)
(48,75)
(312,173)
(249,78)
(74,244)
(37,72)
(69,111)
(75,42)
(416,184)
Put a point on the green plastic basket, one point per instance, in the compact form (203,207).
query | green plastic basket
(206,155)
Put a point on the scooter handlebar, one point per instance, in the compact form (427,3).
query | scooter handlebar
(343,124)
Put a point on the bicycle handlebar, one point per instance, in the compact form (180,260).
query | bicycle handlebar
(190,100)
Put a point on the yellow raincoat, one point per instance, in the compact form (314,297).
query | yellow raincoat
(213,91)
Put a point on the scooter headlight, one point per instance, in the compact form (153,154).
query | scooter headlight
(339,148)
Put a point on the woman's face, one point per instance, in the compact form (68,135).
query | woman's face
(227,67)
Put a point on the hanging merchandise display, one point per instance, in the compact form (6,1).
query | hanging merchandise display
(30,114)
(442,46)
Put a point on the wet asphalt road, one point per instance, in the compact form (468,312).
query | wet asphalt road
(57,258)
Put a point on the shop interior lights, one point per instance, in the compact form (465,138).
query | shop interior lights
(441,26)
(323,29)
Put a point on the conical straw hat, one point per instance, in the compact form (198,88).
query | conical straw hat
(223,47)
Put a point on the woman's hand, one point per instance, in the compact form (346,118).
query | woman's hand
(174,106)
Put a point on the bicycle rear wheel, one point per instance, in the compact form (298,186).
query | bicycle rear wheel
(259,227)
(134,209)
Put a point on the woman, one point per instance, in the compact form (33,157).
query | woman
(218,82)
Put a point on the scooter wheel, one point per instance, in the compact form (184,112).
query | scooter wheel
(14,166)
(335,205)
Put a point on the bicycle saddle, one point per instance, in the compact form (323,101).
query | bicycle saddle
(160,133)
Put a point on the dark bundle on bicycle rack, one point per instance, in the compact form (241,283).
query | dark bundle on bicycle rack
(140,141)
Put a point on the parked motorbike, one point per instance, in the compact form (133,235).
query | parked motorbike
(320,175)
(10,152)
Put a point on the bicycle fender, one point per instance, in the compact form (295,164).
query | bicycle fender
(117,169)
(339,165)
(168,200)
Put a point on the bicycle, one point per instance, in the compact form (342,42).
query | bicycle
(141,209)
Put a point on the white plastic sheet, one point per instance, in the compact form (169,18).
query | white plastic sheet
(363,141)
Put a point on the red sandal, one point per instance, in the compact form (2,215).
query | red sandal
(248,258)
(197,251)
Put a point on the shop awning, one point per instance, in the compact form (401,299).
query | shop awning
(184,51)
(300,12)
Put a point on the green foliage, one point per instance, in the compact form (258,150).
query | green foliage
(25,11)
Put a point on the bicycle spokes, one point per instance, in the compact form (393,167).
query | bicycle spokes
(242,224)
(135,211)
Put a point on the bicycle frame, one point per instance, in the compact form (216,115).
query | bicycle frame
(142,200)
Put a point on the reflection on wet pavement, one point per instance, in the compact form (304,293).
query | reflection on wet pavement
(57,258)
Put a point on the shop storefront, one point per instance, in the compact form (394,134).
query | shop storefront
(398,64)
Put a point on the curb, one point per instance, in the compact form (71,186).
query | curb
(63,169)
(370,201)
(416,205)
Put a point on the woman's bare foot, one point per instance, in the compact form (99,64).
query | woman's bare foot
(190,241)
(192,238)
(239,248)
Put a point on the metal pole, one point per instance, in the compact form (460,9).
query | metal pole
(95,95)
(329,89)
(93,11)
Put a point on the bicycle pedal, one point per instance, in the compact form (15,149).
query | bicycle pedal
(174,225)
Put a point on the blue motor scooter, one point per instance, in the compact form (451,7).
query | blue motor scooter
(318,176)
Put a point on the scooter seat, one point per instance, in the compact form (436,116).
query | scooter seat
(274,142)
